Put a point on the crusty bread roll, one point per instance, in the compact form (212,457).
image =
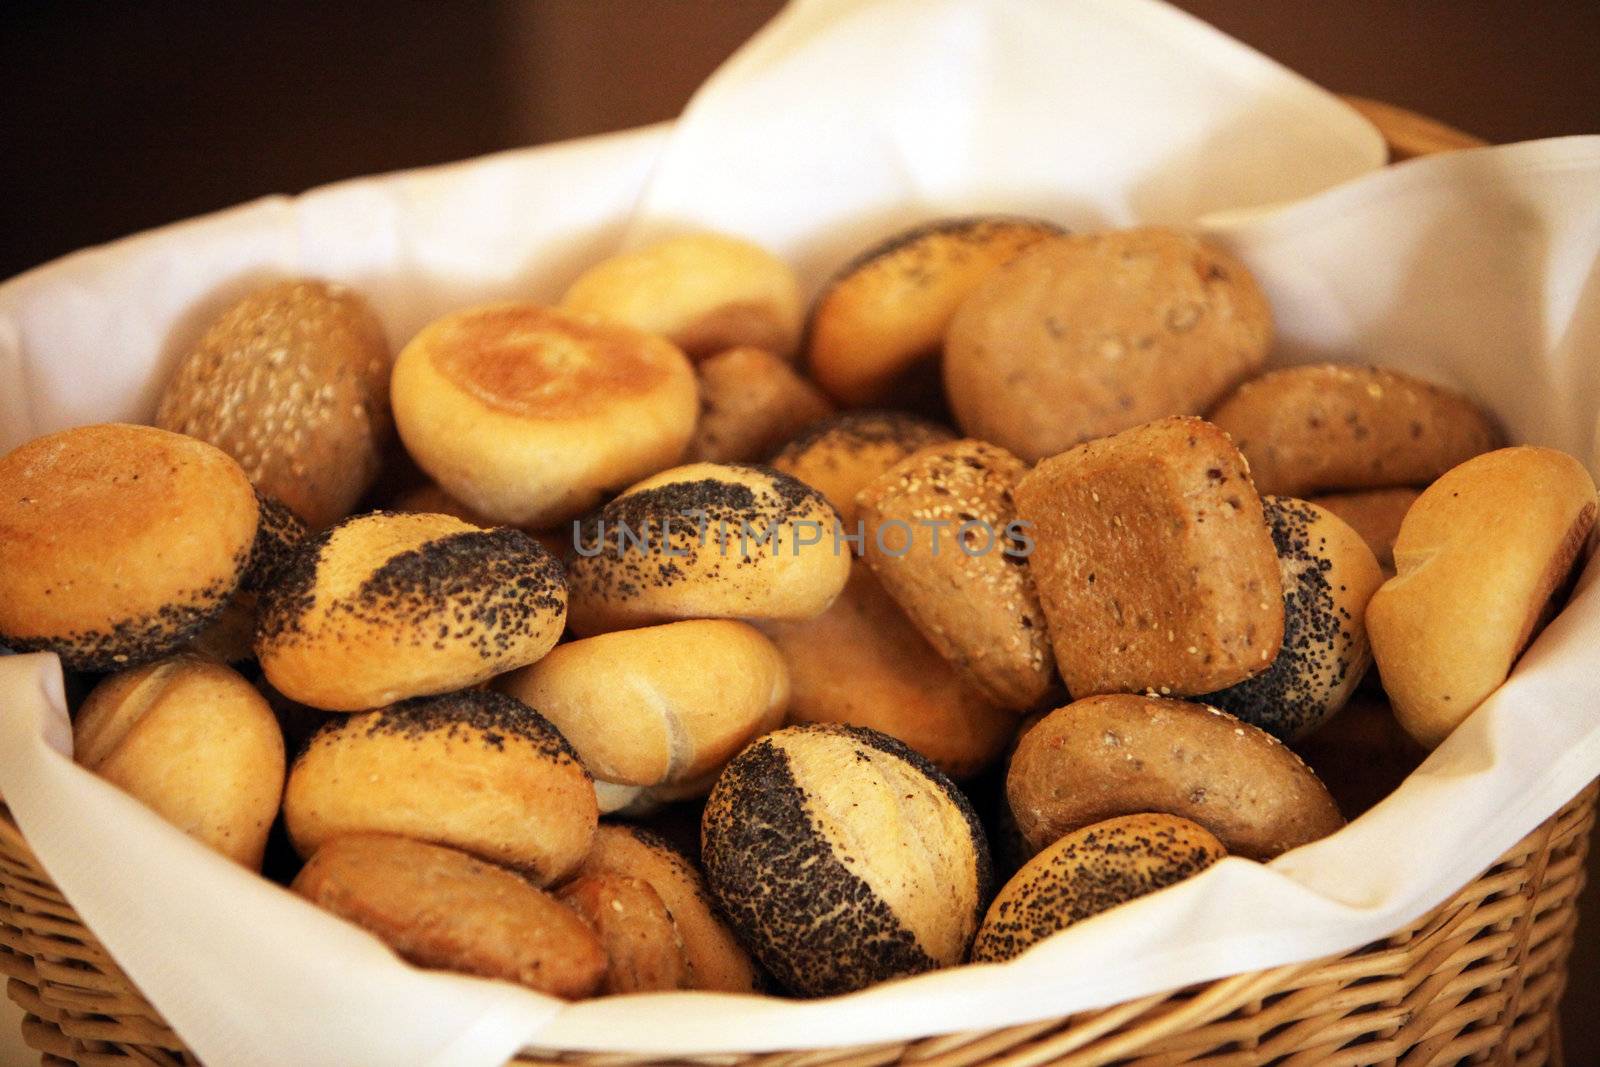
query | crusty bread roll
(196,743)
(387,606)
(888,309)
(1153,561)
(1332,426)
(1479,558)
(473,770)
(1082,336)
(530,416)
(751,402)
(1115,755)
(705,292)
(661,704)
(644,952)
(1328,575)
(1375,514)
(842,858)
(1090,871)
(441,908)
(841,456)
(940,536)
(118,544)
(862,663)
(706,540)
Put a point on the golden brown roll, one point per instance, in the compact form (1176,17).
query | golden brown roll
(751,402)
(705,292)
(706,540)
(1153,561)
(1375,514)
(474,770)
(387,606)
(1116,755)
(1331,426)
(888,309)
(1082,336)
(118,544)
(643,950)
(842,858)
(1480,560)
(293,382)
(841,456)
(530,416)
(441,908)
(1090,871)
(193,741)
(941,537)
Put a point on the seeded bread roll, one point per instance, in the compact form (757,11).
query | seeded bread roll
(229,638)
(530,416)
(751,402)
(643,950)
(1375,514)
(474,770)
(196,743)
(1328,575)
(841,456)
(1153,561)
(1331,426)
(293,382)
(706,540)
(441,908)
(118,544)
(1090,871)
(842,858)
(387,606)
(705,292)
(1480,562)
(1079,337)
(941,537)
(888,309)
(1116,755)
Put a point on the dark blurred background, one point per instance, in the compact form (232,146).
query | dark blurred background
(118,117)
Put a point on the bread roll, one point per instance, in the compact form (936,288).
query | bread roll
(841,456)
(387,606)
(1079,337)
(1480,557)
(941,537)
(1116,755)
(751,402)
(193,741)
(1153,561)
(444,909)
(888,309)
(1090,871)
(707,540)
(842,858)
(643,950)
(474,770)
(530,416)
(1331,426)
(1375,514)
(118,544)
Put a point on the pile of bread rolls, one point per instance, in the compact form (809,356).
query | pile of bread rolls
(670,636)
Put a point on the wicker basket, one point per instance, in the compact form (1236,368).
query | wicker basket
(1478,978)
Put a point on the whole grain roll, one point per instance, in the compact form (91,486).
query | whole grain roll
(118,544)
(841,456)
(644,952)
(751,402)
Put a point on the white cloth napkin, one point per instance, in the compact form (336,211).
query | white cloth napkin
(841,121)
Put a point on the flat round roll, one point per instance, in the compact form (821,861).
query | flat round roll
(1328,574)
(441,908)
(706,540)
(941,537)
(887,310)
(1375,514)
(1082,336)
(293,382)
(643,950)
(1106,756)
(1331,426)
(705,292)
(661,704)
(842,859)
(1479,563)
(751,402)
(530,416)
(1090,871)
(118,544)
(387,606)
(194,742)
(841,456)
(474,770)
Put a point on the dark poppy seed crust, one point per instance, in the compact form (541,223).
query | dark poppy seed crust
(277,534)
(473,715)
